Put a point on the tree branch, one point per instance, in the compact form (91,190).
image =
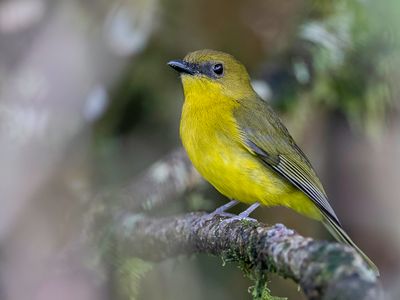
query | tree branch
(323,270)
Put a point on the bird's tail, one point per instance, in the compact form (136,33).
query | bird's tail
(341,236)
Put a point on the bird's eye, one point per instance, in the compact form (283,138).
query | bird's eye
(218,69)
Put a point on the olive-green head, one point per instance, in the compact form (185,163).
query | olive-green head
(215,70)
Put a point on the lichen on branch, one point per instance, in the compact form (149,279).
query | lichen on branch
(323,270)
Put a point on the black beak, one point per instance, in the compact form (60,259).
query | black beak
(182,67)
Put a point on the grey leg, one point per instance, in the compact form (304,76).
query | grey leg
(248,211)
(224,207)
(219,211)
(243,215)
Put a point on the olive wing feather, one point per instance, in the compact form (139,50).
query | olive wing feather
(263,134)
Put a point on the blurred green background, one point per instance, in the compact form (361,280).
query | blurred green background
(87,103)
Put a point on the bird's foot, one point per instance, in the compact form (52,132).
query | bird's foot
(220,211)
(205,218)
(243,215)
(237,218)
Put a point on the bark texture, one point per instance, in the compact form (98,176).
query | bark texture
(323,270)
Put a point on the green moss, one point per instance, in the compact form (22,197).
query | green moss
(246,222)
(257,274)
(260,290)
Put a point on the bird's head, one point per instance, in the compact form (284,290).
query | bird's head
(213,71)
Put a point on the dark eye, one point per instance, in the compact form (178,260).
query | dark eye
(218,69)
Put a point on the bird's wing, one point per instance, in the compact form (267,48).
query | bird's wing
(264,135)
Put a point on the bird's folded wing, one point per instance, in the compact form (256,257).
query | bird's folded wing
(263,134)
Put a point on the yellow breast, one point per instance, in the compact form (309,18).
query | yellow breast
(211,138)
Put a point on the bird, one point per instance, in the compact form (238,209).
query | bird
(241,147)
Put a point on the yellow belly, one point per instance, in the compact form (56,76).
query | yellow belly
(212,142)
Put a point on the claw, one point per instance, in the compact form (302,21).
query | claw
(220,211)
(209,216)
(237,218)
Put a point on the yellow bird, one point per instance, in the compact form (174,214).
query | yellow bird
(239,144)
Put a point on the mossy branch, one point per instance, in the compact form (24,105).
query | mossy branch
(323,270)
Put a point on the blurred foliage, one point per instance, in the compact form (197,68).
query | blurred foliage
(135,101)
(129,275)
(356,80)
(347,61)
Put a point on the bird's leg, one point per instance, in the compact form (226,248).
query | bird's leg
(245,214)
(220,211)
(224,207)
